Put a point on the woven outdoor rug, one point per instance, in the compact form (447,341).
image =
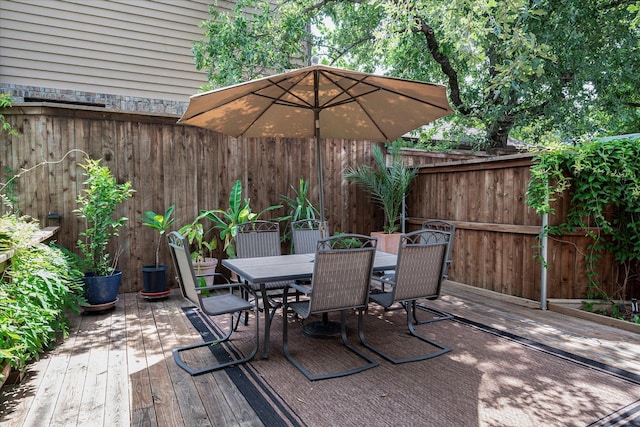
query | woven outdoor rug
(490,378)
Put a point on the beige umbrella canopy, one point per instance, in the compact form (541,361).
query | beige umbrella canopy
(319,102)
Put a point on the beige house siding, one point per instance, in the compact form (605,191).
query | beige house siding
(124,54)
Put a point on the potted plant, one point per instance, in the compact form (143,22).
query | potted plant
(388,186)
(97,206)
(202,247)
(154,277)
(238,212)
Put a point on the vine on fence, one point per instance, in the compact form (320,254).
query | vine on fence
(603,178)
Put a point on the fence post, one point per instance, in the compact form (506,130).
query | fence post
(543,250)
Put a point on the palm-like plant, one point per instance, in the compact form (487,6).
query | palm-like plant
(387,185)
(161,223)
(300,207)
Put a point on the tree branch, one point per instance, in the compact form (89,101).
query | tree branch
(445,66)
(533,111)
(340,53)
(618,3)
(319,5)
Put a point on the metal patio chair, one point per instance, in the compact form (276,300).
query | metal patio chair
(418,275)
(223,301)
(261,238)
(305,234)
(441,225)
(340,282)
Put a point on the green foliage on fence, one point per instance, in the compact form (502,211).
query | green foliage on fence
(603,180)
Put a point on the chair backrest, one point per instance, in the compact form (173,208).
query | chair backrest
(421,260)
(441,225)
(342,272)
(438,224)
(179,249)
(306,233)
(257,239)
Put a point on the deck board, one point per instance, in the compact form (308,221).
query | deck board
(19,400)
(117,408)
(141,399)
(117,368)
(42,407)
(93,394)
(191,403)
(86,373)
(154,331)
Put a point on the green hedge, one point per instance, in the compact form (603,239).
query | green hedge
(37,289)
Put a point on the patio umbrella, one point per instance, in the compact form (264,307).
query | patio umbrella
(319,102)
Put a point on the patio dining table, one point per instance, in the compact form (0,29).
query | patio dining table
(261,270)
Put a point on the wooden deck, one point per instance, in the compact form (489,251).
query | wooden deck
(117,369)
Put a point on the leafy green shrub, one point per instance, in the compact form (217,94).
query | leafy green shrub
(98,202)
(38,287)
(603,179)
(6,102)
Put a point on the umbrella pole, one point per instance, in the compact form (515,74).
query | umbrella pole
(323,227)
(323,328)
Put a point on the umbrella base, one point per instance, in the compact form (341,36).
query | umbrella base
(322,329)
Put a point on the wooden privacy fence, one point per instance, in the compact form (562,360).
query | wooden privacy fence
(495,244)
(168,164)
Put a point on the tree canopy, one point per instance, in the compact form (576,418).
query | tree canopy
(536,70)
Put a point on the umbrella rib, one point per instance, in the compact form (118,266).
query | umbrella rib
(229,101)
(377,87)
(351,98)
(356,100)
(374,88)
(278,100)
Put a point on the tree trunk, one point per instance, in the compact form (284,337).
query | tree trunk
(498,132)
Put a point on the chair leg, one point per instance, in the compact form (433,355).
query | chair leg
(238,317)
(192,371)
(267,320)
(441,315)
(245,295)
(371,363)
(409,307)
(443,349)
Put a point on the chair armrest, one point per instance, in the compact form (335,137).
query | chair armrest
(389,279)
(305,290)
(212,274)
(217,287)
(228,284)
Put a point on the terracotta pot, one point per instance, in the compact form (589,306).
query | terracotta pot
(387,242)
